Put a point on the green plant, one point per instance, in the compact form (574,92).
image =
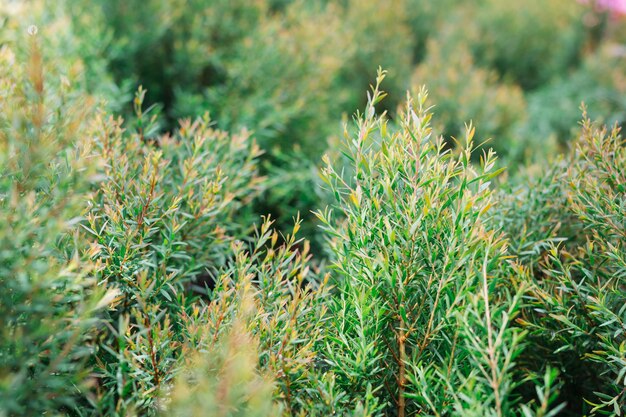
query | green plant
(382,33)
(512,39)
(135,282)
(465,93)
(169,46)
(598,82)
(424,304)
(165,215)
(47,285)
(223,381)
(286,318)
(569,228)
(246,63)
(74,50)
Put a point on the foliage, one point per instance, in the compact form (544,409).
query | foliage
(267,66)
(136,279)
(465,93)
(382,32)
(47,290)
(599,83)
(513,39)
(424,306)
(270,294)
(292,187)
(164,217)
(569,226)
(75,51)
(232,58)
(425,18)
(223,380)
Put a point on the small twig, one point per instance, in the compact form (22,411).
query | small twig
(155,373)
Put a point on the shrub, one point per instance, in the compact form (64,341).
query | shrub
(266,66)
(223,381)
(134,282)
(47,295)
(530,211)
(512,39)
(278,80)
(424,304)
(246,64)
(598,200)
(164,217)
(425,19)
(257,64)
(293,187)
(599,83)
(465,93)
(270,291)
(74,50)
(382,33)
(572,236)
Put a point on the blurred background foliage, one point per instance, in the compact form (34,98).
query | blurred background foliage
(287,70)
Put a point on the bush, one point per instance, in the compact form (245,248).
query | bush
(512,39)
(599,83)
(286,317)
(570,229)
(238,60)
(266,66)
(224,381)
(163,219)
(248,64)
(382,33)
(425,19)
(465,93)
(48,298)
(74,50)
(424,304)
(133,277)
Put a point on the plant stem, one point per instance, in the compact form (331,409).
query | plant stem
(401,372)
